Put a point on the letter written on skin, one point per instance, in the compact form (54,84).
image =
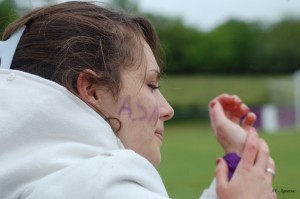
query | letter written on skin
(140,105)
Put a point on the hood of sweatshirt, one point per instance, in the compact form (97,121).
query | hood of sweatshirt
(43,129)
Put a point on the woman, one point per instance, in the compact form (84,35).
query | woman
(82,115)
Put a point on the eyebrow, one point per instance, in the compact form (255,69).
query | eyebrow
(157,73)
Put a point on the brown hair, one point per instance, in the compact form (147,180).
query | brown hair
(62,40)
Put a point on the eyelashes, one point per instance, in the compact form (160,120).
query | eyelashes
(153,86)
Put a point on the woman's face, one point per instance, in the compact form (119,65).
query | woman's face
(141,108)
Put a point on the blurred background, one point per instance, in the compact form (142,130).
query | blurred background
(248,48)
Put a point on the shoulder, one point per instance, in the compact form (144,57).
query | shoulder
(115,174)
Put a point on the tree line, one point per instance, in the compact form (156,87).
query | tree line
(234,47)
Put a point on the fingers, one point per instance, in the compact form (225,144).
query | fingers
(235,110)
(217,115)
(229,102)
(221,173)
(233,104)
(240,110)
(250,151)
(264,162)
(271,165)
(263,155)
(248,121)
(216,112)
(256,154)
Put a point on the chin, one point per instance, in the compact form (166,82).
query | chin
(156,161)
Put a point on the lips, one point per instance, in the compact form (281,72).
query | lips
(159,134)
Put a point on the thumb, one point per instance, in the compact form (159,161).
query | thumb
(221,174)
(217,114)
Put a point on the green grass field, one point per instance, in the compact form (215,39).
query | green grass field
(190,150)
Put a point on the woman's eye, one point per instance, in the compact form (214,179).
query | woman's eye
(153,86)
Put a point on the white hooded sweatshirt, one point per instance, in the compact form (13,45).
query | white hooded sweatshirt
(54,146)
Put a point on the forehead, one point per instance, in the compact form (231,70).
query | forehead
(144,69)
(144,63)
(148,58)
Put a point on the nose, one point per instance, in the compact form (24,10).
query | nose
(166,111)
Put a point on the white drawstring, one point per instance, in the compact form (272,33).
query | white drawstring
(8,48)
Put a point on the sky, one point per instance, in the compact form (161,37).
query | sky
(207,14)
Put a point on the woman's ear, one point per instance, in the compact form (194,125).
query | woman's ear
(87,87)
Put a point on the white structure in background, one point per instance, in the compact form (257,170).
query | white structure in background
(283,109)
(296,82)
(269,118)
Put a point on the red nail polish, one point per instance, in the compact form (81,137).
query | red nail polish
(212,104)
(218,161)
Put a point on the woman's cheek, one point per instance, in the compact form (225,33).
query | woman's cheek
(139,110)
(153,119)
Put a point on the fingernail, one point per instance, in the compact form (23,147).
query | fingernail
(218,161)
(212,104)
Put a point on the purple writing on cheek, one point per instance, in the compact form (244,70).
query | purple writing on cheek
(142,113)
(126,107)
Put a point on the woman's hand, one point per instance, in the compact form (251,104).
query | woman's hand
(231,121)
(250,179)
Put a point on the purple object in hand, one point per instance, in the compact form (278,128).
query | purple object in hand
(232,160)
